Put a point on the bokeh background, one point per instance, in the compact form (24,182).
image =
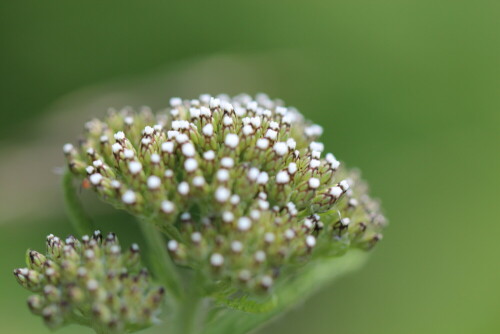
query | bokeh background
(407,90)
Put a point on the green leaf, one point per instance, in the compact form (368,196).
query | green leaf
(288,294)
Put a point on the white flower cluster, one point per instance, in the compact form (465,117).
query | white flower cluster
(243,180)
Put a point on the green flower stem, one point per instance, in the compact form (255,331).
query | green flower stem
(186,320)
(79,219)
(160,260)
(80,320)
(193,309)
(101,330)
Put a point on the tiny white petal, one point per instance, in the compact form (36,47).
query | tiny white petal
(194,112)
(260,256)
(175,102)
(274,125)
(222,175)
(282,177)
(216,260)
(255,214)
(336,191)
(235,199)
(334,163)
(116,147)
(262,143)
(119,135)
(269,237)
(310,241)
(154,182)
(167,206)
(171,134)
(317,146)
(227,121)
(227,216)
(155,158)
(214,103)
(236,246)
(256,121)
(344,185)
(135,167)
(232,140)
(222,194)
(280,148)
(190,165)
(244,224)
(208,130)
(167,146)
(281,110)
(172,245)
(188,150)
(314,183)
(247,130)
(95,179)
(227,162)
(209,155)
(263,178)
(314,163)
(128,154)
(67,148)
(196,237)
(183,188)
(182,138)
(204,111)
(198,181)
(345,221)
(291,143)
(271,134)
(129,197)
(253,174)
(289,234)
(97,163)
(266,281)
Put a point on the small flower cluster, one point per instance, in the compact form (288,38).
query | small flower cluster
(91,282)
(241,186)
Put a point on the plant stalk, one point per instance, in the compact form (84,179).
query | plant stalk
(162,265)
(79,219)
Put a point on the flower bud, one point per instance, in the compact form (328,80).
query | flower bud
(92,279)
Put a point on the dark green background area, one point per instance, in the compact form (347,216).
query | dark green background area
(408,91)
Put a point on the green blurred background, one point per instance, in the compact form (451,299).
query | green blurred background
(408,90)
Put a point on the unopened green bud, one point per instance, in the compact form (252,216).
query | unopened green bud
(34,259)
(92,279)
(36,304)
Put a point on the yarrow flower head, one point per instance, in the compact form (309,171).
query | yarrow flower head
(242,187)
(91,281)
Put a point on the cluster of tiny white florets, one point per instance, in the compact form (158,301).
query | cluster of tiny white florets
(90,281)
(241,186)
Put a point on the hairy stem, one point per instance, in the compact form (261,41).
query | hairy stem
(101,330)
(160,260)
(193,309)
(79,219)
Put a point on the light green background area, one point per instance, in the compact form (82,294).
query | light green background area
(408,91)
